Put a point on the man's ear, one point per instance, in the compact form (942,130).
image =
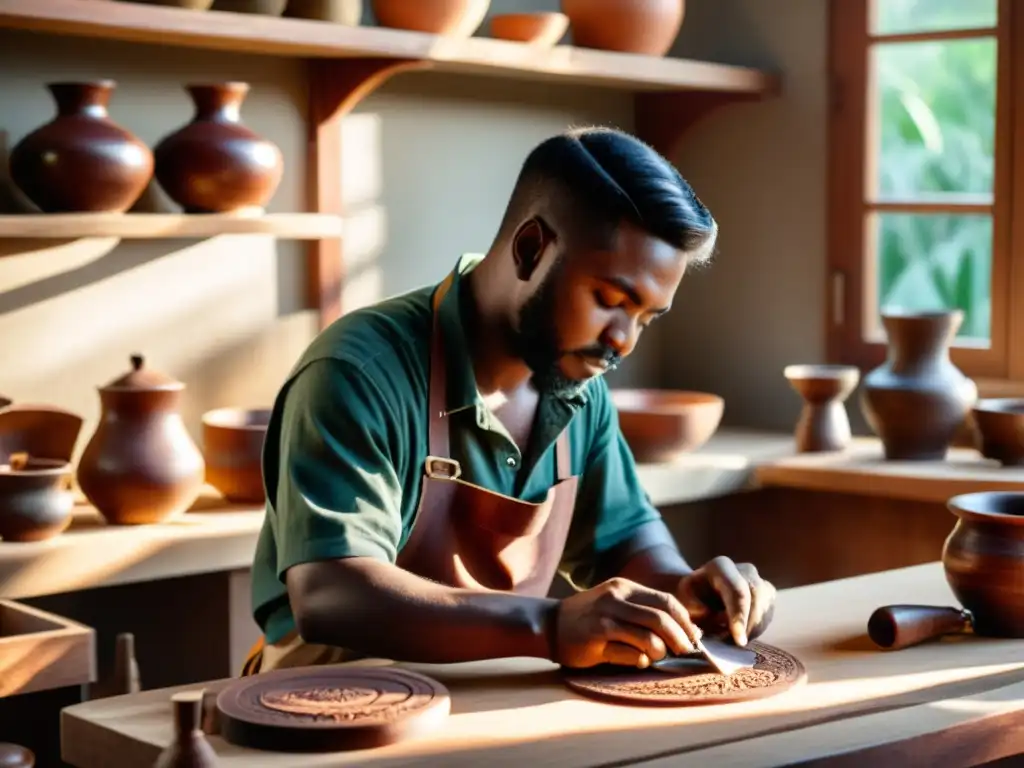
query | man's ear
(528,245)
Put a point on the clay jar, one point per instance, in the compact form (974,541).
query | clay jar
(453,18)
(917,400)
(647,27)
(347,12)
(81,161)
(190,749)
(141,466)
(216,164)
(984,560)
(233,449)
(824,424)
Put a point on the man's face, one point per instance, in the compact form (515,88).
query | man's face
(590,308)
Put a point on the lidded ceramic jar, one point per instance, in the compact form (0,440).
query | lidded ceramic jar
(141,465)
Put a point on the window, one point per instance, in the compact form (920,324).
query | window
(923,121)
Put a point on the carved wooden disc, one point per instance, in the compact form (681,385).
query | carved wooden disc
(330,708)
(690,682)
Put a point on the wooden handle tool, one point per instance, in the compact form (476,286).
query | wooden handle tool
(900,626)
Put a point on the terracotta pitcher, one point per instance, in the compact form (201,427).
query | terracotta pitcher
(917,400)
(141,466)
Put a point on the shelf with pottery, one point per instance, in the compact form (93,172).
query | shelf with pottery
(216,535)
(151,226)
(294,37)
(936,438)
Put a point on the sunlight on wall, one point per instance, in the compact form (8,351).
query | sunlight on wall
(366,222)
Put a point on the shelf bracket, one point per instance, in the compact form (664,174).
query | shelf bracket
(661,118)
(336,87)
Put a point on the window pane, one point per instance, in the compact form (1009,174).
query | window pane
(898,16)
(936,107)
(937,261)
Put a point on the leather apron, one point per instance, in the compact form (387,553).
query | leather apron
(463,535)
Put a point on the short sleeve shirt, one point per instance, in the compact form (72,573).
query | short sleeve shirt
(347,443)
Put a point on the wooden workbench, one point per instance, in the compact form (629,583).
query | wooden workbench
(947,703)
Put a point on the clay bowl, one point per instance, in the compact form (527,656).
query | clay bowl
(233,449)
(35,498)
(658,425)
(822,383)
(191,5)
(39,430)
(543,29)
(984,560)
(1000,425)
(452,18)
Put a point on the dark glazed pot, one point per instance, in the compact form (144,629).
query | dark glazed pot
(189,749)
(141,466)
(216,164)
(347,12)
(259,7)
(35,498)
(1000,425)
(917,400)
(984,560)
(824,424)
(81,161)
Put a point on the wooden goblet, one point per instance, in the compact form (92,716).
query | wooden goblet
(824,424)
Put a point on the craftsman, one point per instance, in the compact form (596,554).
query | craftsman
(435,460)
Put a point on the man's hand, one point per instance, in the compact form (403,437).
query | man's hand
(621,622)
(727,596)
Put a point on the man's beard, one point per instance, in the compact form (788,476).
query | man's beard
(536,342)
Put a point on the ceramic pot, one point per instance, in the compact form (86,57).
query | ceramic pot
(233,449)
(35,498)
(648,27)
(984,560)
(1000,426)
(215,163)
(141,466)
(917,400)
(453,18)
(189,749)
(347,12)
(15,756)
(824,424)
(660,425)
(81,161)
(259,7)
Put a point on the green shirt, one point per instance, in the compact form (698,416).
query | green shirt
(347,442)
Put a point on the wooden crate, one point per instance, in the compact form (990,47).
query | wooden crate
(41,651)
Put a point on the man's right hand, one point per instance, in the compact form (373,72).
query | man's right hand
(622,622)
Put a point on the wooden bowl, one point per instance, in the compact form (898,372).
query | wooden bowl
(1000,425)
(233,449)
(544,29)
(661,424)
(984,560)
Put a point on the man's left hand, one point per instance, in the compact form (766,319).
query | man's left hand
(726,596)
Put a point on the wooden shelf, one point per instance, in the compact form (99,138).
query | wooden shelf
(59,226)
(862,470)
(268,35)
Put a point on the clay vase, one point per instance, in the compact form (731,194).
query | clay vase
(81,161)
(216,164)
(141,466)
(259,7)
(984,560)
(824,424)
(917,400)
(190,749)
(452,18)
(347,12)
(648,27)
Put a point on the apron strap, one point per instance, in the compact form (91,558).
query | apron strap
(437,399)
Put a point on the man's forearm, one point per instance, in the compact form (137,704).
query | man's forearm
(650,557)
(381,610)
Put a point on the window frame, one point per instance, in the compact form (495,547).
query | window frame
(849,121)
